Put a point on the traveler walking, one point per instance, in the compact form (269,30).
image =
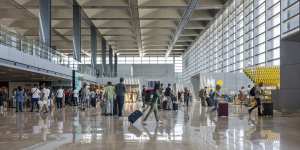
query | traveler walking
(179,96)
(35,97)
(50,98)
(75,97)
(2,98)
(93,98)
(44,99)
(20,97)
(186,96)
(144,95)
(203,96)
(109,95)
(257,95)
(120,93)
(168,92)
(59,98)
(153,105)
(85,96)
(242,95)
(216,96)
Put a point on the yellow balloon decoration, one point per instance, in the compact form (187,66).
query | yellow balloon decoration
(269,76)
(220,82)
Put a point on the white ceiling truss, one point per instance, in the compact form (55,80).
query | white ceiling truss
(132,27)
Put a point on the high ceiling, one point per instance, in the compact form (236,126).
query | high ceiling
(132,27)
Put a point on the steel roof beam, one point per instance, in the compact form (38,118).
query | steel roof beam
(183,22)
(135,19)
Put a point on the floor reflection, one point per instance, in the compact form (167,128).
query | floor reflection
(193,128)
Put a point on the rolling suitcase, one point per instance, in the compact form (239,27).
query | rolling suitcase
(93,102)
(165,105)
(267,109)
(133,117)
(223,109)
(175,106)
(209,102)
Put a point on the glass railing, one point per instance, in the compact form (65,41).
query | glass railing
(39,49)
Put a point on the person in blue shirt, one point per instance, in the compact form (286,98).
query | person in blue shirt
(20,96)
(216,96)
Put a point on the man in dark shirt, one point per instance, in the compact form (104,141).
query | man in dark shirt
(120,92)
(168,90)
(144,95)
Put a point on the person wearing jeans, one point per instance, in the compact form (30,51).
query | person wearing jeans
(20,96)
(109,95)
(153,105)
(59,97)
(217,95)
(258,94)
(35,97)
(120,103)
(120,92)
(75,97)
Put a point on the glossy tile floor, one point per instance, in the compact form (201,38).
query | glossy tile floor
(193,129)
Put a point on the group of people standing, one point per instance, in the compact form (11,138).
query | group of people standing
(184,96)
(41,98)
(210,98)
(113,98)
(244,96)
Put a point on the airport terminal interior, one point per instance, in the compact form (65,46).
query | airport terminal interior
(149,74)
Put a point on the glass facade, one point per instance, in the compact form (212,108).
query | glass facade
(290,16)
(177,61)
(245,34)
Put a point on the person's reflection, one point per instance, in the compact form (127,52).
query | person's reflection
(203,116)
(152,138)
(43,124)
(220,130)
(60,123)
(75,125)
(186,115)
(255,135)
(20,124)
(135,131)
(221,125)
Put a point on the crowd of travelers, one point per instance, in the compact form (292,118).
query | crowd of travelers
(244,96)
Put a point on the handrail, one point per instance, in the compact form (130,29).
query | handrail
(38,49)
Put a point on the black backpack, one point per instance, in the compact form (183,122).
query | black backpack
(252,91)
(148,95)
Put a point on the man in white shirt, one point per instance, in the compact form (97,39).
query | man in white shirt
(59,97)
(35,96)
(75,97)
(44,99)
